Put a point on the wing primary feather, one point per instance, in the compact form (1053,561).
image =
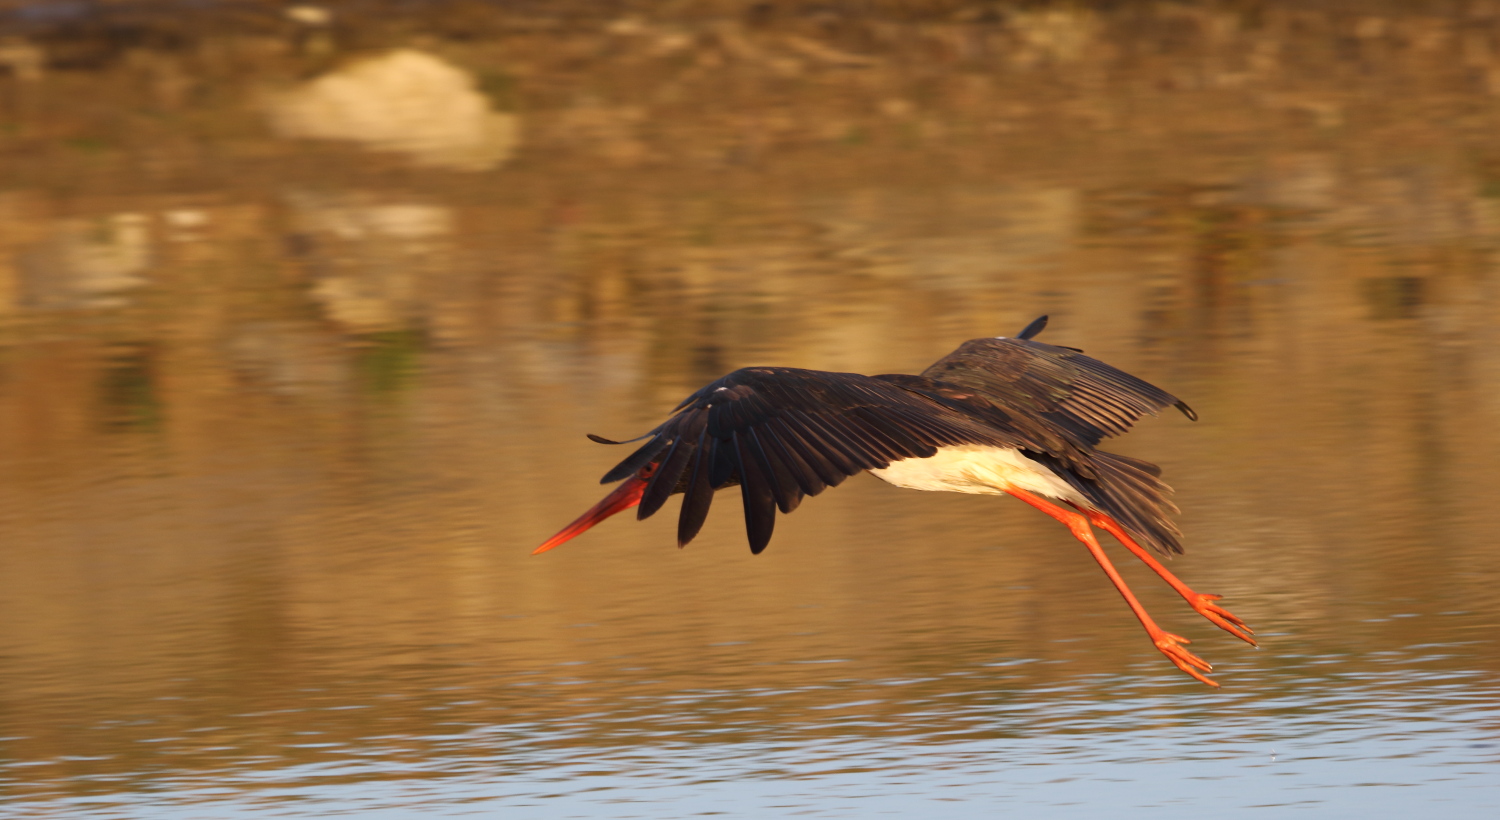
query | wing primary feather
(872,451)
(722,469)
(807,480)
(862,454)
(664,483)
(1143,466)
(1099,414)
(816,459)
(877,447)
(827,445)
(760,507)
(780,479)
(699,495)
(900,435)
(939,433)
(659,488)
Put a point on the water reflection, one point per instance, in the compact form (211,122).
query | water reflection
(85,263)
(280,420)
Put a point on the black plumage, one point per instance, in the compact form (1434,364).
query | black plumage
(1011,416)
(784,433)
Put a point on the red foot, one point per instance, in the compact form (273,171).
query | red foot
(1172,646)
(1202,603)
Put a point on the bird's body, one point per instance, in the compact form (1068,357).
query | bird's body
(997,416)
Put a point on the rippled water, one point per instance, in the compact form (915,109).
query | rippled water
(1059,750)
(281,420)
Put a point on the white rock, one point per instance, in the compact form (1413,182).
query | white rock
(309,15)
(406,101)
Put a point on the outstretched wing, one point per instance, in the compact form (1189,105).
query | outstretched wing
(1082,396)
(781,434)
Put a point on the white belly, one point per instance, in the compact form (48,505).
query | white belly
(977,469)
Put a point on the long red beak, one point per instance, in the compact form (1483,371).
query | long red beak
(623,497)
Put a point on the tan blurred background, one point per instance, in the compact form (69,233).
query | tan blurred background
(305,308)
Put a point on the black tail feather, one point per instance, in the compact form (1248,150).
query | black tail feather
(1129,491)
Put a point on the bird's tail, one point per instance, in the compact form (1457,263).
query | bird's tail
(1132,493)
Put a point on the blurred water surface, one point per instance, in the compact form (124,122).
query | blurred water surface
(302,320)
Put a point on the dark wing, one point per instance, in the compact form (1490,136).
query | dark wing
(1077,398)
(781,434)
(1081,396)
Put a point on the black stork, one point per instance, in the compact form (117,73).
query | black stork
(1000,415)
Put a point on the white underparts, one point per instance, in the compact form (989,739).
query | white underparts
(977,469)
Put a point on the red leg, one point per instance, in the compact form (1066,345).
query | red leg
(1201,602)
(1165,642)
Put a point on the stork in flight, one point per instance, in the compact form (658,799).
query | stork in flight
(999,415)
